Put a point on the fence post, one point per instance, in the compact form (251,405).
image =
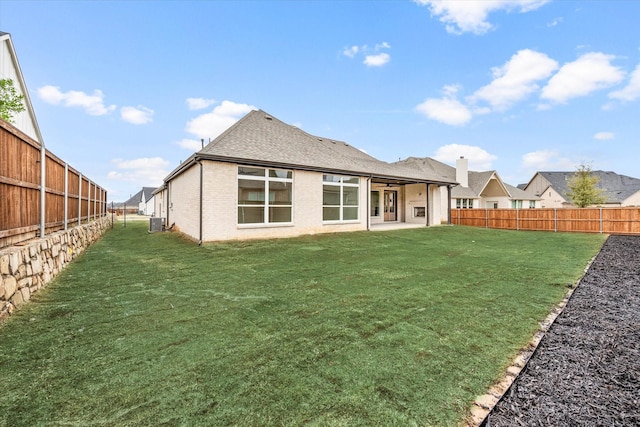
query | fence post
(486,218)
(79,198)
(517,219)
(555,220)
(43,188)
(601,220)
(66,195)
(95,200)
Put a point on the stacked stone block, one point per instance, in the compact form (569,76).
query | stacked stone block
(27,268)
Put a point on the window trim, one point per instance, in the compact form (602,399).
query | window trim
(341,206)
(266,179)
(464,203)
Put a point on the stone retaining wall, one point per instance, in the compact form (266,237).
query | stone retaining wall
(27,268)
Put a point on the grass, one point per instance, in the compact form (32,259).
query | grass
(390,328)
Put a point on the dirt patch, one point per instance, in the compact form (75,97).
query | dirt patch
(586,370)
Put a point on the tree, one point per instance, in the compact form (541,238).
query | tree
(10,102)
(583,188)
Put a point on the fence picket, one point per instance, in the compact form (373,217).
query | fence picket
(22,164)
(609,220)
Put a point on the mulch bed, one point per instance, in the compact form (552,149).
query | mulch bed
(586,370)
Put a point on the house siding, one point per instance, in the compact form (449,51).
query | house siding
(184,202)
(552,199)
(160,204)
(633,200)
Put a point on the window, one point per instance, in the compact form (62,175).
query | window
(375,203)
(464,203)
(340,198)
(516,204)
(264,195)
(532,204)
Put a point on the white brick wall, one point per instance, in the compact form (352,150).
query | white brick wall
(220,206)
(184,202)
(221,198)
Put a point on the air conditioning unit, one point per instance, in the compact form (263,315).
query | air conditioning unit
(156,224)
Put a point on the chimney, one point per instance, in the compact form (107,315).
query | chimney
(462,171)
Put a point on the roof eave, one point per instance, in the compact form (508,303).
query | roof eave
(284,165)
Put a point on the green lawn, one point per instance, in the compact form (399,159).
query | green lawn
(389,328)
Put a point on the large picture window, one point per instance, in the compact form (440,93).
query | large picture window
(265,196)
(340,198)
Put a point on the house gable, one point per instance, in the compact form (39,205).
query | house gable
(10,69)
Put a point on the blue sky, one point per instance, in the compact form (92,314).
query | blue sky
(125,90)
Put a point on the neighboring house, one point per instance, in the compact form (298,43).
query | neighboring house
(552,188)
(144,200)
(10,69)
(476,189)
(264,178)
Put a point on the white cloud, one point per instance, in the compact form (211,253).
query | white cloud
(516,79)
(351,51)
(546,160)
(590,72)
(479,159)
(555,22)
(447,109)
(210,125)
(471,15)
(92,104)
(190,144)
(631,92)
(373,56)
(139,115)
(145,171)
(199,103)
(604,136)
(377,60)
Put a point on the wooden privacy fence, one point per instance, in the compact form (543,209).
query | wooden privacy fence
(32,204)
(585,220)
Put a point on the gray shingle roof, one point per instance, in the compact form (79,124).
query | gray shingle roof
(148,193)
(134,200)
(477,180)
(519,194)
(260,138)
(616,188)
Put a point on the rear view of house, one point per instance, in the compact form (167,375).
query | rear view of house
(264,178)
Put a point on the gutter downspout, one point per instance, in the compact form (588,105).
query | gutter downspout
(167,203)
(201,187)
(448,204)
(369,203)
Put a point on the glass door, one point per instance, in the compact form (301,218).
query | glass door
(390,205)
